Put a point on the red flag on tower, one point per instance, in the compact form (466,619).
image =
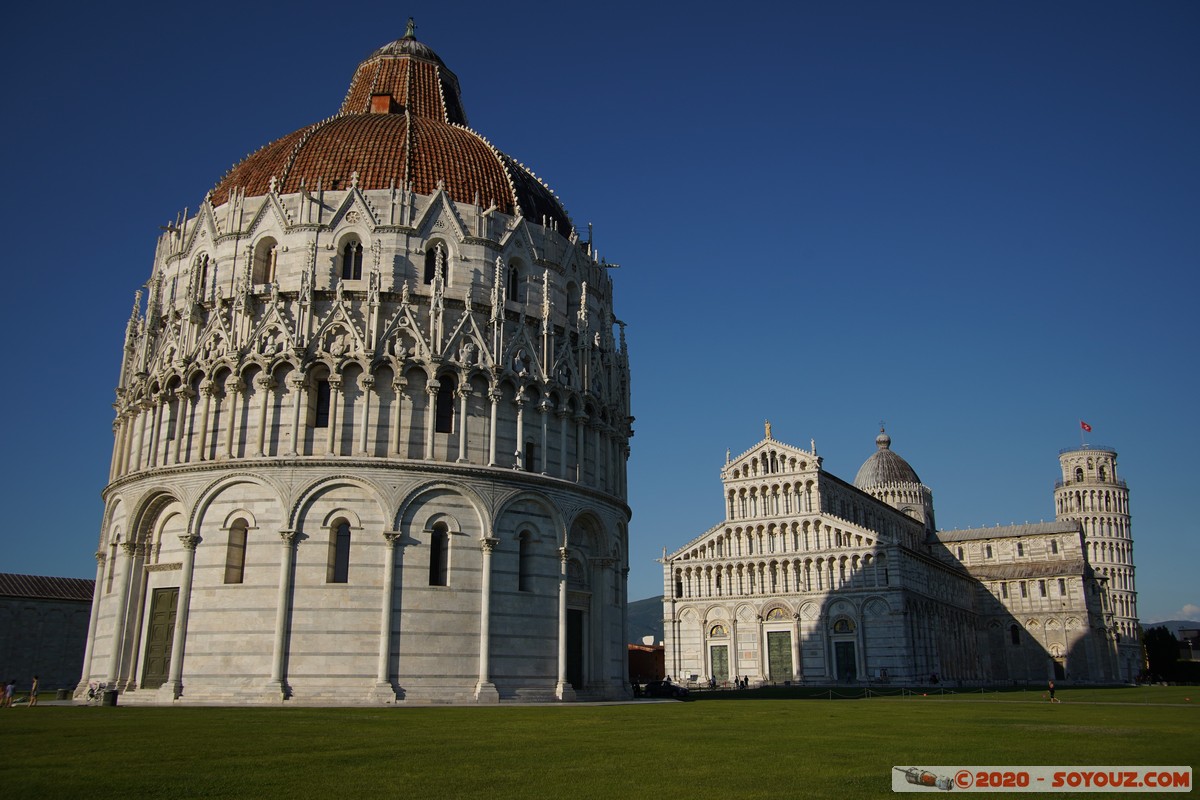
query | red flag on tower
(1085,426)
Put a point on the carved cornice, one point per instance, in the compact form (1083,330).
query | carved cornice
(167,567)
(354,469)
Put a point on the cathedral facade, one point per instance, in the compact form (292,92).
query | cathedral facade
(811,579)
(372,428)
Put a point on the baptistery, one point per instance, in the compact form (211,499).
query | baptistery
(372,424)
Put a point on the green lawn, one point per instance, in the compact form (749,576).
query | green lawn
(740,748)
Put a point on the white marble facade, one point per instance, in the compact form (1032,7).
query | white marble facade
(813,580)
(371,429)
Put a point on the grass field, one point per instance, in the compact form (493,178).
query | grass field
(739,748)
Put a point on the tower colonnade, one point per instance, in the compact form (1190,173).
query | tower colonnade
(1092,493)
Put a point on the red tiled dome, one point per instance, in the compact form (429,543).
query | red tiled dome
(402,121)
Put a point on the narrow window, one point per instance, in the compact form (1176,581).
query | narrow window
(339,553)
(1015,634)
(444,413)
(1020,549)
(235,553)
(203,285)
(352,255)
(1024,589)
(439,546)
(960,554)
(431,259)
(531,457)
(513,289)
(321,417)
(524,563)
(987,551)
(1054,546)
(1042,588)
(112,568)
(679,587)
(264,262)
(1004,591)
(1062,587)
(1079,473)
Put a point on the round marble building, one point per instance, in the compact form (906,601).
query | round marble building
(372,428)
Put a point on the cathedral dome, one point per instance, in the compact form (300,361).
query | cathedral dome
(402,123)
(884,466)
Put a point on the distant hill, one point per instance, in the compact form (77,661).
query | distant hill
(1173,625)
(646,619)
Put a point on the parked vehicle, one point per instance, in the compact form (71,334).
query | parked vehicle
(665,689)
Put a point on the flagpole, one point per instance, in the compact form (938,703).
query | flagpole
(1082,443)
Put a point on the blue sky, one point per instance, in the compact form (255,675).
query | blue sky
(978,221)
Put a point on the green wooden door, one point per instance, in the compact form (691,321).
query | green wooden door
(847,669)
(720,662)
(159,635)
(779,655)
(575,648)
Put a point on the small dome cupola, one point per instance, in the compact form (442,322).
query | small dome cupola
(884,466)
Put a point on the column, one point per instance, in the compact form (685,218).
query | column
(397,431)
(296,384)
(208,390)
(114,658)
(563,690)
(604,457)
(562,443)
(86,674)
(734,672)
(127,444)
(580,448)
(142,408)
(173,688)
(236,387)
(544,408)
(335,401)
(115,462)
(368,384)
(265,384)
(276,689)
(184,400)
(136,613)
(155,429)
(431,390)
(860,663)
(463,393)
(485,691)
(384,692)
(625,631)
(599,455)
(121,445)
(519,456)
(797,666)
(600,591)
(494,396)
(762,650)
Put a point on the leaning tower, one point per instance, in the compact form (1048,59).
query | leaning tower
(1091,493)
